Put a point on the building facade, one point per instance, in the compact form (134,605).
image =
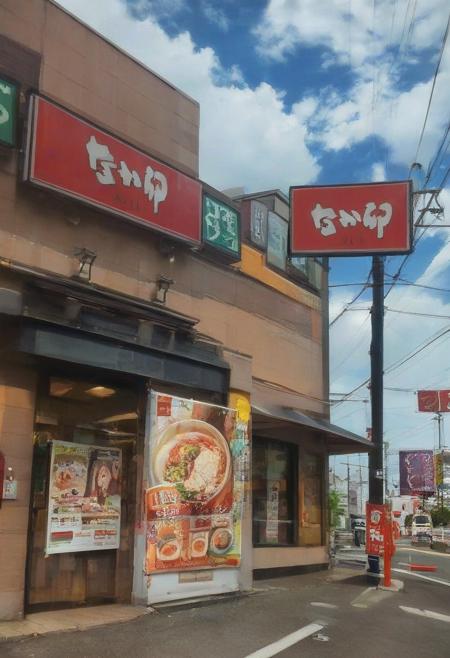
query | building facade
(130,289)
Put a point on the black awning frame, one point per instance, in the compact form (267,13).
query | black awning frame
(339,440)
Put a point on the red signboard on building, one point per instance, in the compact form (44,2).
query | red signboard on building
(434,401)
(73,157)
(345,220)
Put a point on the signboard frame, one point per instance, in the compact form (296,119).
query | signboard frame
(347,252)
(154,221)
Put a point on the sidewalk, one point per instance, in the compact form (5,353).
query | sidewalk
(76,619)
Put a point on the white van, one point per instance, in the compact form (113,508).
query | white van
(422,527)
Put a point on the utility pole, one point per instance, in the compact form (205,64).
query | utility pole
(348,493)
(386,480)
(376,392)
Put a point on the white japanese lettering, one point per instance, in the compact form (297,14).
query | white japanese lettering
(323,219)
(155,187)
(128,176)
(99,152)
(377,221)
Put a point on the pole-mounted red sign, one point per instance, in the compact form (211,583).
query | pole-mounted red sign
(346,220)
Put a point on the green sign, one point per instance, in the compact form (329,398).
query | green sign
(221,227)
(8,96)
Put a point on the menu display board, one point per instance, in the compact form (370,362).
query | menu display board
(277,241)
(84,498)
(194,503)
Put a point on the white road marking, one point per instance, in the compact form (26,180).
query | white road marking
(286,642)
(419,575)
(319,604)
(419,550)
(426,613)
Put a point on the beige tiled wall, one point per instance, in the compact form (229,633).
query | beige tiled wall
(92,77)
(17,395)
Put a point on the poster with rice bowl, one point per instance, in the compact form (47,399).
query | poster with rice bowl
(84,498)
(194,503)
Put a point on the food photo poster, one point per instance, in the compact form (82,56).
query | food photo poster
(84,498)
(198,469)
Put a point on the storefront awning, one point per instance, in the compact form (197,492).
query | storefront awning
(276,421)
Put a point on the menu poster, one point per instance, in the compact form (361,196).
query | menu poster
(84,498)
(194,503)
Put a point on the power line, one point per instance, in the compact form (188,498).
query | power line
(444,41)
(355,298)
(405,282)
(436,157)
(398,363)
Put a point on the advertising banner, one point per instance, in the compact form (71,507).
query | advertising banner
(433,401)
(73,157)
(8,109)
(84,498)
(344,220)
(194,503)
(221,227)
(375,525)
(416,472)
(277,241)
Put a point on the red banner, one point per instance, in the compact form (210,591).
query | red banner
(73,157)
(345,220)
(433,401)
(375,524)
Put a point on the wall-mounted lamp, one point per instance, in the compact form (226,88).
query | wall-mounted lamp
(167,248)
(163,286)
(86,259)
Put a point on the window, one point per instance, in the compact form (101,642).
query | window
(310,530)
(274,487)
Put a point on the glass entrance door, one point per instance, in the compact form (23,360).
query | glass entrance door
(83,497)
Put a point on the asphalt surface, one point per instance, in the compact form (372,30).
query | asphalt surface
(356,620)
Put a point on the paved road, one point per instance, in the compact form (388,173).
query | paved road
(355,621)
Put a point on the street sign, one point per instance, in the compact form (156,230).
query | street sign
(434,401)
(8,109)
(346,220)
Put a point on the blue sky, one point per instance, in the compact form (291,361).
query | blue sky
(320,91)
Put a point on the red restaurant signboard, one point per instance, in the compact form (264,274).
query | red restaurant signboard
(345,220)
(434,401)
(73,157)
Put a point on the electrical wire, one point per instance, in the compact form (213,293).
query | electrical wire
(443,44)
(355,298)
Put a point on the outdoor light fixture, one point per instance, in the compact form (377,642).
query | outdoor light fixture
(86,259)
(167,248)
(163,284)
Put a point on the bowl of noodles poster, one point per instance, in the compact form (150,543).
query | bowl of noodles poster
(191,469)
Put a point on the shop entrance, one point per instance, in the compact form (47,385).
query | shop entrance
(83,494)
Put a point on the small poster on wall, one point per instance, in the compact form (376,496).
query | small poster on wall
(194,503)
(84,498)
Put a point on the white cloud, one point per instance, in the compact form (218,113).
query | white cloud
(247,135)
(375,42)
(216,16)
(352,32)
(378,172)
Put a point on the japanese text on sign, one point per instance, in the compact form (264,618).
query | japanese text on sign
(373,217)
(102,162)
